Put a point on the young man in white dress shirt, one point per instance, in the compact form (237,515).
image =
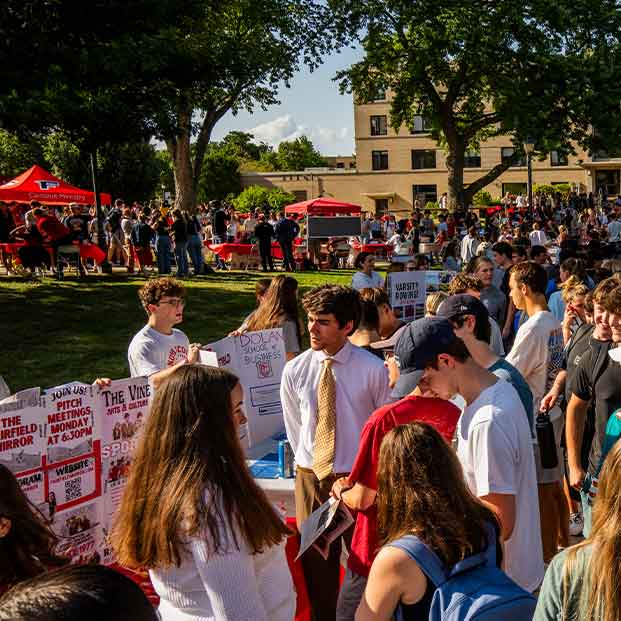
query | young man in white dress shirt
(324,436)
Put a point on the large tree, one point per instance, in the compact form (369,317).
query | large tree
(296,154)
(235,56)
(477,69)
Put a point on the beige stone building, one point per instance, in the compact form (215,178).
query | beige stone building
(392,169)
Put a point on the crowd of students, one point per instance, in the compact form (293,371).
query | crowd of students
(445,442)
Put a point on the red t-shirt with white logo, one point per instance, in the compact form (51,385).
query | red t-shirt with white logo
(441,414)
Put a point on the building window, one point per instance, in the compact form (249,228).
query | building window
(300,195)
(425,194)
(507,152)
(607,181)
(378,94)
(423,158)
(472,159)
(420,125)
(379,160)
(558,159)
(352,164)
(515,188)
(340,164)
(381,206)
(379,125)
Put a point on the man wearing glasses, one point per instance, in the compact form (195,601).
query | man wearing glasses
(158,349)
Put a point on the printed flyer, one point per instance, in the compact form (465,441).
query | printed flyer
(258,359)
(21,444)
(121,409)
(79,531)
(70,428)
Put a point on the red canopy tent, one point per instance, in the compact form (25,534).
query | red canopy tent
(321,207)
(36,184)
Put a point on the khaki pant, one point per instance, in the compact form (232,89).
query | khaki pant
(554,519)
(322,577)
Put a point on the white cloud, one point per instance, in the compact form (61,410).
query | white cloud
(328,140)
(274,132)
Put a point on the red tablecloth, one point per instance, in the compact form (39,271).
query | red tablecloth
(87,251)
(302,613)
(224,251)
(373,248)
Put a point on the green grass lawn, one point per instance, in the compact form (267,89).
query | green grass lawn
(54,332)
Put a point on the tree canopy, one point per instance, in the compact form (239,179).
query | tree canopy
(476,70)
(296,154)
(259,197)
(234,56)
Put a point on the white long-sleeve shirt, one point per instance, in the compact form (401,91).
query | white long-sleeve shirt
(361,388)
(469,247)
(231,586)
(538,238)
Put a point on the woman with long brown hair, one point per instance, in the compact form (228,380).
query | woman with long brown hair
(421,492)
(584,581)
(193,515)
(26,541)
(279,309)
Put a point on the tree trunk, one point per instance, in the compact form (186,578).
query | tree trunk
(455,168)
(179,149)
(490,176)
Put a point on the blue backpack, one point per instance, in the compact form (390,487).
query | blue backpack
(475,589)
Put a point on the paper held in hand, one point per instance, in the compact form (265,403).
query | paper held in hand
(323,526)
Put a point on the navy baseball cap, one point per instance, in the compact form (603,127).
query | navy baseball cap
(418,345)
(463,304)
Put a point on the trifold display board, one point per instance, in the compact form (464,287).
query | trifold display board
(337,226)
(71,447)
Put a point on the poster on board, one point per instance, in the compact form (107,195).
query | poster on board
(72,460)
(70,425)
(438,280)
(21,444)
(258,359)
(79,532)
(407,293)
(121,407)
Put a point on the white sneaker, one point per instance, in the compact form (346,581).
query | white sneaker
(576,524)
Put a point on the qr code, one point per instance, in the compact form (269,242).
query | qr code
(73,489)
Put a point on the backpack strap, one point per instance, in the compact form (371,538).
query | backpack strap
(485,558)
(433,567)
(424,556)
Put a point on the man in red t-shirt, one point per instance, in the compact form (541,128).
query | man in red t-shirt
(358,490)
(53,232)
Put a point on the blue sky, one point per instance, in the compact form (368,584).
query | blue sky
(312,106)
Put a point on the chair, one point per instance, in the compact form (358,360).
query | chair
(69,255)
(342,250)
(253,260)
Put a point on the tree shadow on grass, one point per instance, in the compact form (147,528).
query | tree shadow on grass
(60,332)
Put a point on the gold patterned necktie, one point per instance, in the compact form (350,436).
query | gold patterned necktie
(325,433)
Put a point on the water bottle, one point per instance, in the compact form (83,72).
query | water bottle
(546,440)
